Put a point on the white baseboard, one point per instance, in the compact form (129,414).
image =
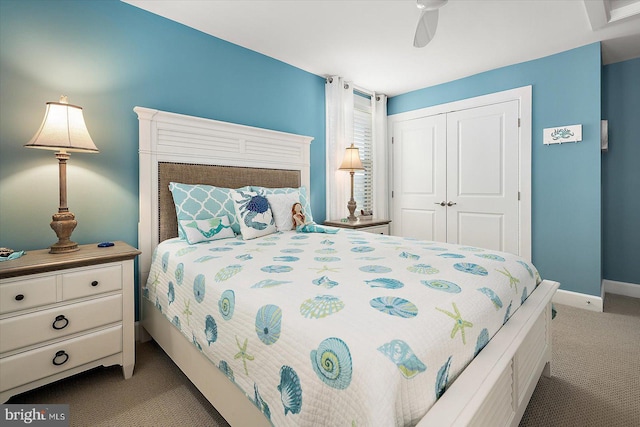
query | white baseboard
(575,299)
(620,288)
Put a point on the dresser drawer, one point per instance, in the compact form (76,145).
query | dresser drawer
(27,293)
(21,331)
(49,360)
(90,282)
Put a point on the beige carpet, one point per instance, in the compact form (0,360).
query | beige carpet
(595,382)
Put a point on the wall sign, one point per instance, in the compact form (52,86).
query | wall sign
(561,134)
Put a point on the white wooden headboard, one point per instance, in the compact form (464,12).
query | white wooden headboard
(171,137)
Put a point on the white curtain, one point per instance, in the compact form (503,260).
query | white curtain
(339,135)
(381,158)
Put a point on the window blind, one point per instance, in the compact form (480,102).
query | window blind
(362,131)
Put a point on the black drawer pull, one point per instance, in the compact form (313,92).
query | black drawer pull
(19,297)
(60,354)
(60,318)
(94,283)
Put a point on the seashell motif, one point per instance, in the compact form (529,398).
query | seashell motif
(276,269)
(195,341)
(171,294)
(290,390)
(185,251)
(423,269)
(384,283)
(375,269)
(268,323)
(210,329)
(467,267)
(327,259)
(227,272)
(495,299)
(299,243)
(362,249)
(271,238)
(265,243)
(269,283)
(442,285)
(326,251)
(321,306)
(292,251)
(206,258)
(524,296)
(165,261)
(285,258)
(332,363)
(491,257)
(236,243)
(176,322)
(198,287)
(483,339)
(508,313)
(226,304)
(299,237)
(408,255)
(260,403)
(221,249)
(450,255)
(433,248)
(244,257)
(395,306)
(179,274)
(443,378)
(471,249)
(327,242)
(525,265)
(158,306)
(226,369)
(325,282)
(370,258)
(405,359)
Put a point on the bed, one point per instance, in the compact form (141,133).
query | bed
(492,389)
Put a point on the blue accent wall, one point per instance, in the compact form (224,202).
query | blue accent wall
(108,57)
(566,183)
(621,172)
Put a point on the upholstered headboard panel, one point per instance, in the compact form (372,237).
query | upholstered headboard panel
(219,176)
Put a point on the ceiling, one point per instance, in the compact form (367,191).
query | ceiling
(370,42)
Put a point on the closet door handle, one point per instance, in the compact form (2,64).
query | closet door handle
(442,203)
(451,203)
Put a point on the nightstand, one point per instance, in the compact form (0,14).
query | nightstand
(376,226)
(61,314)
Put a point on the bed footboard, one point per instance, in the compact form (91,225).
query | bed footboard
(497,386)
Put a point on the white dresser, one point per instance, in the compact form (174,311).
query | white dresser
(61,314)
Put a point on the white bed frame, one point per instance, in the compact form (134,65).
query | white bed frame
(493,390)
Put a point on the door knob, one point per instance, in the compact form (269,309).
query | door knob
(442,203)
(451,204)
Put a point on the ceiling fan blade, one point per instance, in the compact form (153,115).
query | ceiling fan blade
(427,25)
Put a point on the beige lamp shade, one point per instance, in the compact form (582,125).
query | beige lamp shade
(351,160)
(63,129)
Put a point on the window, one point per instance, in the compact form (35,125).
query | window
(362,131)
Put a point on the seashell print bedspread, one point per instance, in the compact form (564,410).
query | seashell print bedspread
(345,329)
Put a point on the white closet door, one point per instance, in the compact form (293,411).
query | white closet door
(482,177)
(419,153)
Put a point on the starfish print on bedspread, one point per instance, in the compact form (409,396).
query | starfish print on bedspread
(325,268)
(242,354)
(186,310)
(513,281)
(460,323)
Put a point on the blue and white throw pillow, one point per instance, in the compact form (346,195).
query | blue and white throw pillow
(253,213)
(204,230)
(199,201)
(304,197)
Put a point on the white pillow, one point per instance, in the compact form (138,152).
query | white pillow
(281,205)
(204,230)
(253,213)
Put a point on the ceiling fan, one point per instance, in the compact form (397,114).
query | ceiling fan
(428,21)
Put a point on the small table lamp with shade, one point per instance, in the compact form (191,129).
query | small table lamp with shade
(351,162)
(63,129)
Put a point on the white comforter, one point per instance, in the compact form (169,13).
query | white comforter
(350,329)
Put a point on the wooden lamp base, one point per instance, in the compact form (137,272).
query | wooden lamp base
(63,223)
